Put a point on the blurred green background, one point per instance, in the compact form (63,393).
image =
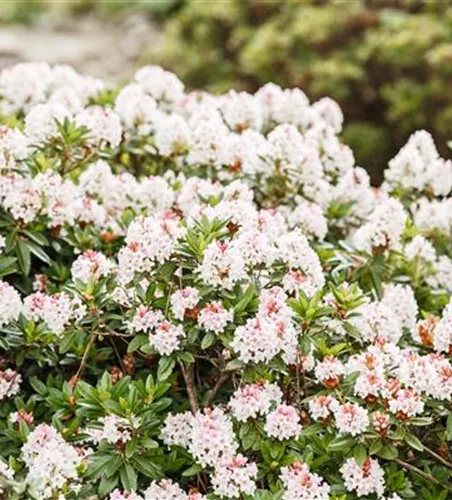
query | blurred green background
(387,62)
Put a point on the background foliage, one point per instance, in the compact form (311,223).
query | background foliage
(388,64)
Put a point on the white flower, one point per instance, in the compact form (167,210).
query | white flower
(118,495)
(310,219)
(162,85)
(301,484)
(150,240)
(283,422)
(214,317)
(234,478)
(375,321)
(10,304)
(146,319)
(212,439)
(57,311)
(240,111)
(255,399)
(103,124)
(442,334)
(9,383)
(222,265)
(173,136)
(420,248)
(363,480)
(294,250)
(91,265)
(407,402)
(400,299)
(384,227)
(51,462)
(41,122)
(135,108)
(330,112)
(177,429)
(181,300)
(23,86)
(417,166)
(329,371)
(351,419)
(321,407)
(166,338)
(113,429)
(164,489)
(13,147)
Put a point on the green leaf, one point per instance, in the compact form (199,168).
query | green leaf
(67,342)
(165,368)
(305,345)
(341,443)
(6,262)
(107,485)
(38,386)
(38,238)
(208,340)
(147,466)
(39,252)
(375,447)
(360,454)
(98,463)
(389,452)
(187,357)
(414,442)
(131,447)
(23,257)
(234,364)
(137,342)
(449,428)
(128,477)
(192,471)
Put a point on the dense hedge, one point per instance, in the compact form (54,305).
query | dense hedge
(202,297)
(388,63)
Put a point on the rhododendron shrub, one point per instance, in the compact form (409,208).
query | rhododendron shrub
(202,297)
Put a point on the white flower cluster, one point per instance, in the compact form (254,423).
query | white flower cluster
(165,489)
(57,311)
(214,317)
(270,333)
(363,480)
(164,335)
(208,435)
(52,463)
(301,484)
(210,438)
(113,429)
(10,303)
(9,383)
(417,166)
(253,400)
(228,132)
(235,478)
(91,265)
(283,422)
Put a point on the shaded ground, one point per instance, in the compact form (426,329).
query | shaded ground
(109,49)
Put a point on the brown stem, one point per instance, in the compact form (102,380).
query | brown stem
(112,332)
(121,364)
(412,468)
(85,356)
(221,380)
(189,377)
(438,457)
